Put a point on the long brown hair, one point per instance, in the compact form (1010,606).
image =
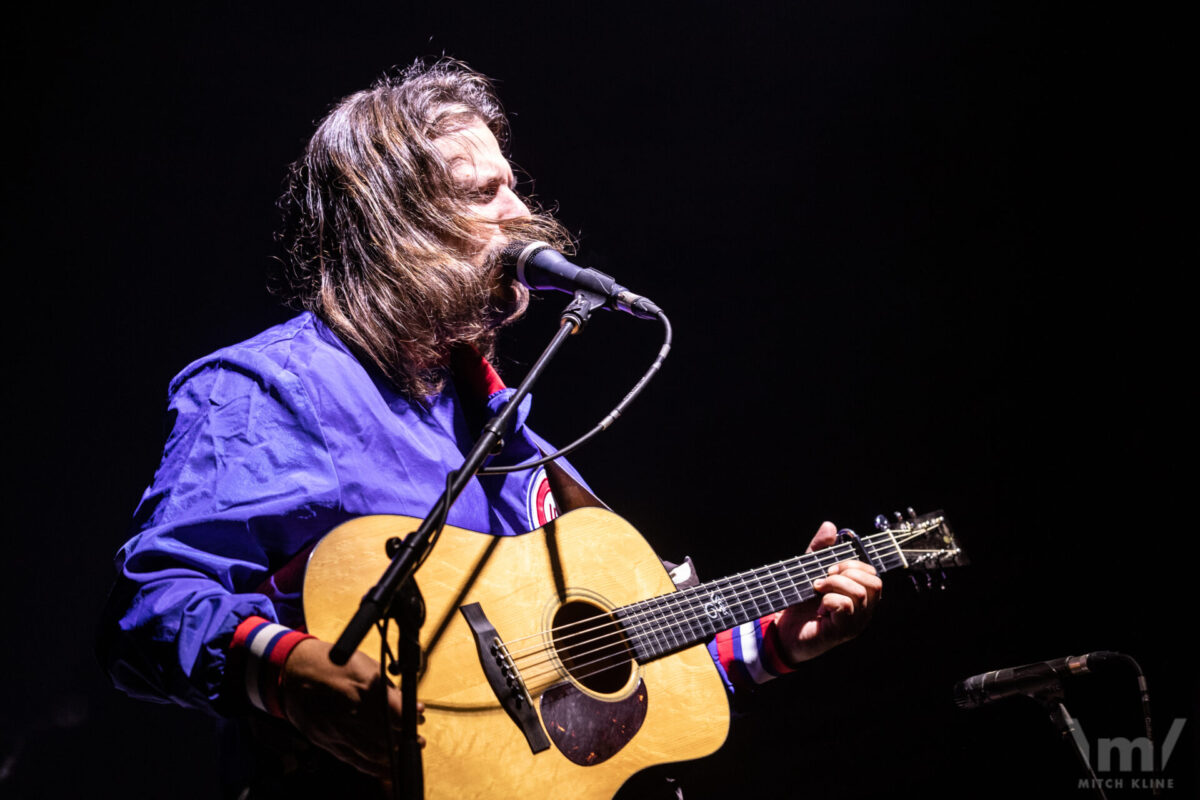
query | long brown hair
(371,216)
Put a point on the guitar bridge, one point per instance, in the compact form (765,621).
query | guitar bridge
(504,678)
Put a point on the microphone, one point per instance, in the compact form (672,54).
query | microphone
(540,266)
(1027,680)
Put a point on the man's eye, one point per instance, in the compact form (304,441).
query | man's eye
(483,194)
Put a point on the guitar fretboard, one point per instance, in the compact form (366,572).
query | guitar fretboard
(668,623)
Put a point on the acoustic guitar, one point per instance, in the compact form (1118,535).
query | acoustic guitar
(560,662)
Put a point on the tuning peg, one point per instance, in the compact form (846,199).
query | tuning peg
(881,523)
(911,514)
(916,583)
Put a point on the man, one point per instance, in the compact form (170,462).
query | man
(394,220)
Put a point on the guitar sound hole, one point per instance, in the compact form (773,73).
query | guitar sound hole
(591,647)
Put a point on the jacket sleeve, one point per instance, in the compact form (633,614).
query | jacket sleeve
(749,654)
(746,655)
(245,482)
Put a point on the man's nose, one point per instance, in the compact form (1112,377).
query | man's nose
(511,205)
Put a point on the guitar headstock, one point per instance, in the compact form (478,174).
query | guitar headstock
(927,544)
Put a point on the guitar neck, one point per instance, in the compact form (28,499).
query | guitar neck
(672,622)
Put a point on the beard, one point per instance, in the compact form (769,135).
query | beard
(411,322)
(508,298)
(472,308)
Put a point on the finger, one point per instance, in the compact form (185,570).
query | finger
(395,703)
(362,665)
(825,536)
(842,566)
(868,580)
(841,585)
(396,718)
(836,605)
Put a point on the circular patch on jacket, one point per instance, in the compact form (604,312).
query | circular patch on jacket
(541,503)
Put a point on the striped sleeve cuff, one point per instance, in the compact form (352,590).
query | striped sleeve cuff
(267,645)
(749,654)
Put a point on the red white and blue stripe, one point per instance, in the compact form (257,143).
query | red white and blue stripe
(267,645)
(749,654)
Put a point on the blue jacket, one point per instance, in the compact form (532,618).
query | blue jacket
(272,443)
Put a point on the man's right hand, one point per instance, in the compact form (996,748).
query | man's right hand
(341,709)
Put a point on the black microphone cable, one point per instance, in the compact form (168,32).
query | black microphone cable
(612,416)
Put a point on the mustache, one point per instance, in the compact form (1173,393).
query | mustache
(507,298)
(493,264)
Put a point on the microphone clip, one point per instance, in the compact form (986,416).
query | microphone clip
(580,309)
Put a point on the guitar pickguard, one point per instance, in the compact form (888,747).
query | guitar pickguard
(588,730)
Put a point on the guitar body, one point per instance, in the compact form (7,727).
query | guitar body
(670,709)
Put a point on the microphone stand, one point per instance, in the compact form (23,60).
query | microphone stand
(1051,699)
(397,596)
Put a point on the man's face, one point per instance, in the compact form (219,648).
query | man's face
(486,180)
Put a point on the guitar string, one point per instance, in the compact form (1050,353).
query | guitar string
(617,658)
(653,617)
(674,601)
(582,671)
(613,659)
(639,612)
(609,653)
(791,567)
(611,647)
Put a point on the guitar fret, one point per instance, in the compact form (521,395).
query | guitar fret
(773,587)
(649,629)
(748,603)
(722,605)
(651,626)
(671,622)
(666,629)
(630,632)
(774,580)
(639,631)
(886,551)
(658,621)
(791,593)
(697,622)
(672,633)
(704,612)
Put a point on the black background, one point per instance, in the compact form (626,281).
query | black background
(925,254)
